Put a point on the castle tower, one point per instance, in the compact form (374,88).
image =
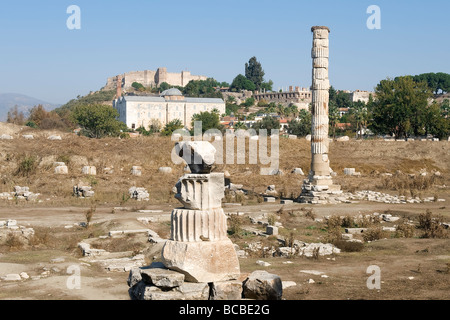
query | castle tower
(119,87)
(319,184)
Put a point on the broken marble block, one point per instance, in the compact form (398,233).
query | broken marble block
(261,285)
(199,155)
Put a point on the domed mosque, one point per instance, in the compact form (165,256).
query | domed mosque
(171,104)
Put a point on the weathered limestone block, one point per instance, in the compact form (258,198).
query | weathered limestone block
(90,170)
(136,171)
(54,137)
(298,171)
(28,136)
(261,285)
(226,290)
(6,137)
(188,291)
(323,249)
(205,261)
(343,139)
(272,230)
(355,230)
(61,170)
(165,170)
(349,171)
(162,278)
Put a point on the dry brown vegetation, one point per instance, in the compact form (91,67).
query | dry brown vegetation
(30,163)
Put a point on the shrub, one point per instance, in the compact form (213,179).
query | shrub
(309,213)
(348,222)
(373,234)
(432,226)
(405,230)
(89,215)
(13,242)
(27,166)
(271,219)
(349,246)
(234,225)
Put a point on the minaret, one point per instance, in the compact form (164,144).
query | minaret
(319,183)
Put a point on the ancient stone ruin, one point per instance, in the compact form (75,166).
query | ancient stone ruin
(199,246)
(319,185)
(199,261)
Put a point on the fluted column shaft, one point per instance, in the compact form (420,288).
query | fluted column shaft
(320,99)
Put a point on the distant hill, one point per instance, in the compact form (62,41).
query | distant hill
(25,103)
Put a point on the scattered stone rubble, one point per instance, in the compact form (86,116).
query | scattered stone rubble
(139,194)
(156,282)
(10,227)
(20,193)
(81,191)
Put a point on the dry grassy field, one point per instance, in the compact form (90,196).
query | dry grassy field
(412,266)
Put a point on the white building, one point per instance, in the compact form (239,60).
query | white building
(137,111)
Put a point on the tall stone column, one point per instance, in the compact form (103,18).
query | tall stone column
(319,183)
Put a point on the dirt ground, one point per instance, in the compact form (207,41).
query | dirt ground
(426,260)
(411,268)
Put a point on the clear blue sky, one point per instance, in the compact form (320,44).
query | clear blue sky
(42,58)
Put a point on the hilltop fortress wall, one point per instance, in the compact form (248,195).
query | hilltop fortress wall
(149,78)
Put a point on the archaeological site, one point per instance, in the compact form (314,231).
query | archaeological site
(175,216)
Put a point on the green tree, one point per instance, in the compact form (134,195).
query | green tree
(209,120)
(268,123)
(249,102)
(164,86)
(170,127)
(400,107)
(436,81)
(242,83)
(435,121)
(138,86)
(302,126)
(98,120)
(254,72)
(267,85)
(360,117)
(202,88)
(240,125)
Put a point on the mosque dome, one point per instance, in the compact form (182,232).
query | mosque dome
(171,92)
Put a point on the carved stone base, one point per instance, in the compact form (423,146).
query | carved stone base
(205,261)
